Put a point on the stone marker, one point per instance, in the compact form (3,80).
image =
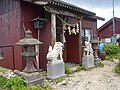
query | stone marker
(88,58)
(55,66)
(30,74)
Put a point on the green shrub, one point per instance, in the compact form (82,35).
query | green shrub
(112,48)
(22,87)
(117,68)
(110,57)
(17,83)
(14,83)
(2,81)
(117,56)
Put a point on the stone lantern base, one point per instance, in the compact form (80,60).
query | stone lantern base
(97,62)
(31,78)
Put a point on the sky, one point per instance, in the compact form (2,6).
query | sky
(102,8)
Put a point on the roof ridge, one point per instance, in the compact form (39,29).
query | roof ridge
(105,24)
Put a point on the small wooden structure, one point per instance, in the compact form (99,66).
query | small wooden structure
(16,16)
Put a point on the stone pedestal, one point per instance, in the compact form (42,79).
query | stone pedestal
(88,61)
(31,78)
(55,69)
(96,58)
(95,47)
(29,66)
(97,62)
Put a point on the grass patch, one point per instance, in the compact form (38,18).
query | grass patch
(117,68)
(68,70)
(71,69)
(60,79)
(102,65)
(78,69)
(3,70)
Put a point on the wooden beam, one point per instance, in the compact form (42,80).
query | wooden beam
(59,12)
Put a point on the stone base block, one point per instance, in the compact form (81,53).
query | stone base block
(55,69)
(97,62)
(32,78)
(88,61)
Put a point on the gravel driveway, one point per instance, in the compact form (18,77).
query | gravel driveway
(95,79)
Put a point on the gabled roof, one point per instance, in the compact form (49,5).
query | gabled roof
(70,7)
(107,23)
(59,4)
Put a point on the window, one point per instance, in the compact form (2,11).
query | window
(86,35)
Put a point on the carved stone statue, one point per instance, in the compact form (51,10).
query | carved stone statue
(88,58)
(55,66)
(88,48)
(55,53)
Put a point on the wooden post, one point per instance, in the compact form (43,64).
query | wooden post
(53,28)
(80,41)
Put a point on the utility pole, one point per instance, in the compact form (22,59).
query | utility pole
(113,18)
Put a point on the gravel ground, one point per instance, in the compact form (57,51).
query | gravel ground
(95,79)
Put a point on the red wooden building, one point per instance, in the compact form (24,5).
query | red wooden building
(106,30)
(16,16)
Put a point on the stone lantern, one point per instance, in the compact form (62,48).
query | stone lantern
(95,42)
(29,46)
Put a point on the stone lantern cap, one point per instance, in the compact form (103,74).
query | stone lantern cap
(28,40)
(95,40)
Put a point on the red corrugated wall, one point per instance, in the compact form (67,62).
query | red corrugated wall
(10,33)
(90,23)
(107,31)
(29,12)
(14,15)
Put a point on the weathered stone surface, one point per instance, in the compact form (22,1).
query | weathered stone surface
(31,78)
(88,61)
(88,58)
(55,69)
(97,62)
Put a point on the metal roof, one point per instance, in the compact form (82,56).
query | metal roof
(70,7)
(63,6)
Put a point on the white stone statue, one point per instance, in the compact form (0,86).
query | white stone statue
(55,53)
(88,48)
(88,58)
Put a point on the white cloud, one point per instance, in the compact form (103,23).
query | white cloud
(105,13)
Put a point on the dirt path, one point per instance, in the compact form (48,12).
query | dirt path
(95,79)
